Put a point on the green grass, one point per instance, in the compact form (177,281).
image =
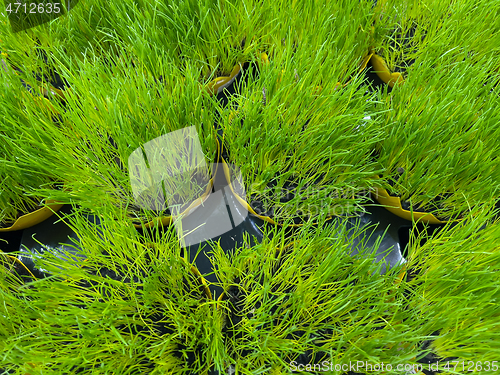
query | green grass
(310,295)
(131,302)
(302,145)
(342,29)
(441,129)
(408,29)
(300,126)
(135,306)
(82,31)
(112,110)
(134,303)
(19,180)
(138,70)
(213,35)
(457,286)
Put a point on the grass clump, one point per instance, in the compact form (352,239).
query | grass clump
(440,141)
(295,134)
(20,181)
(112,111)
(402,32)
(215,35)
(406,30)
(342,35)
(303,133)
(131,306)
(303,144)
(309,301)
(212,35)
(455,286)
(41,53)
(134,305)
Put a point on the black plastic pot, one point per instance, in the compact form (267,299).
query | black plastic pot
(223,215)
